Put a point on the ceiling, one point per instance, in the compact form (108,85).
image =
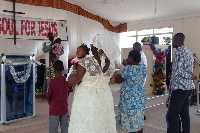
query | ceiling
(121,11)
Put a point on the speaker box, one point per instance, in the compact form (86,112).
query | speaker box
(155,40)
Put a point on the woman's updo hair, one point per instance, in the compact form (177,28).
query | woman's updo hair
(85,47)
(135,55)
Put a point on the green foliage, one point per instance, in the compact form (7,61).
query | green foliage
(38,90)
(159,79)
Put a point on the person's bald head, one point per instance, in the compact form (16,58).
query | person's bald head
(137,46)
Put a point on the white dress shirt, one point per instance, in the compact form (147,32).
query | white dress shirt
(143,58)
(143,61)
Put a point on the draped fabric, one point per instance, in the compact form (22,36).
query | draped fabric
(64,5)
(108,45)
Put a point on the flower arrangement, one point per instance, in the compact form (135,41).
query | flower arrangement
(50,70)
(146,40)
(167,40)
(159,79)
(158,86)
(159,70)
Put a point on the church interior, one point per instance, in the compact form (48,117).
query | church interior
(24,27)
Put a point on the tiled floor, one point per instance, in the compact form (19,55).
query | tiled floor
(155,122)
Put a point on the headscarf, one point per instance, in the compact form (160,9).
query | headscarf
(108,45)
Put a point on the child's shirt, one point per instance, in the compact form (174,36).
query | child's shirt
(75,60)
(58,48)
(58,91)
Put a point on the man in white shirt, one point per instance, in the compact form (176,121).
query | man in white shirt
(47,46)
(137,46)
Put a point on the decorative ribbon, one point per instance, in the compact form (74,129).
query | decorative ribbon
(16,74)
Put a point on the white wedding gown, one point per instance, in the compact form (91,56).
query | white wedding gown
(92,108)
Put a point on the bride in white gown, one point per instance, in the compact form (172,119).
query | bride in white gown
(92,108)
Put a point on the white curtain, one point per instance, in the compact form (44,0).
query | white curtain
(80,30)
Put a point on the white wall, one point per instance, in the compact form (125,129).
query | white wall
(191,29)
(189,26)
(80,29)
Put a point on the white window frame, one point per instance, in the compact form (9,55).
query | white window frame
(154,34)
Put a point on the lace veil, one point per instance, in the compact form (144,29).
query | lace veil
(108,45)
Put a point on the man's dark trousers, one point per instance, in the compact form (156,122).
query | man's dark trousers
(179,105)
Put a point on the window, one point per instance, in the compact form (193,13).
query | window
(163,30)
(139,38)
(161,40)
(128,38)
(126,34)
(145,32)
(127,42)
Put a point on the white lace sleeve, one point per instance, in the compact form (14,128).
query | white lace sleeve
(93,68)
(90,65)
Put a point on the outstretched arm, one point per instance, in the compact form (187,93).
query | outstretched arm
(122,76)
(153,48)
(107,65)
(167,51)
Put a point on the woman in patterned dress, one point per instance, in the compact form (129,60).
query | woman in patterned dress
(132,102)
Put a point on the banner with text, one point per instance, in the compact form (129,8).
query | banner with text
(31,28)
